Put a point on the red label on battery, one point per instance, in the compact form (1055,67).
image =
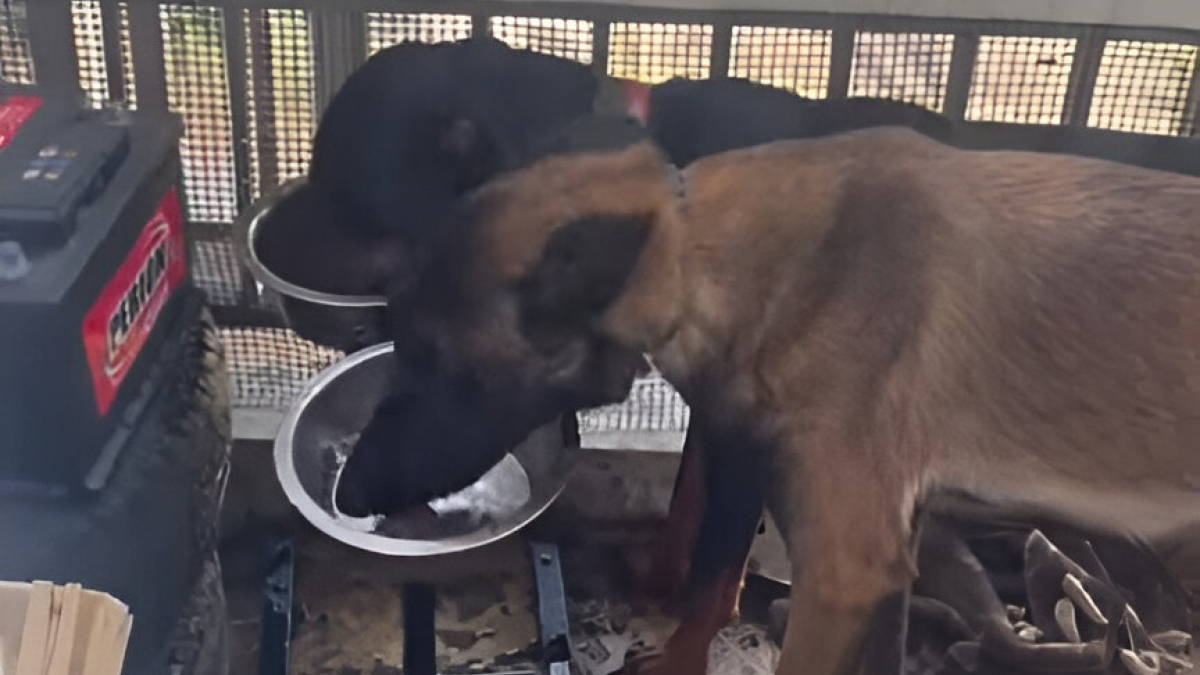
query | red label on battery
(117,325)
(15,111)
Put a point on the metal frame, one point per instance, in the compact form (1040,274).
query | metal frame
(419,607)
(338,42)
(338,33)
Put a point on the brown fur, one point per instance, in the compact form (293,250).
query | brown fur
(901,320)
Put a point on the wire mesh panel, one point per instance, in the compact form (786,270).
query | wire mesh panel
(656,52)
(911,67)
(198,90)
(282,114)
(1143,87)
(16,64)
(1021,79)
(788,58)
(652,405)
(216,268)
(89,47)
(565,38)
(269,367)
(385,29)
(127,58)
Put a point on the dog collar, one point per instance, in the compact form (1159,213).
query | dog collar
(678,181)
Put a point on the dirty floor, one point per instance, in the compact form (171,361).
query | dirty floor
(350,611)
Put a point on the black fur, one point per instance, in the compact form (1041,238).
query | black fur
(584,268)
(691,119)
(418,125)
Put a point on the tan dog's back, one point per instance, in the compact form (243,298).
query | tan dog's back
(1070,329)
(1049,358)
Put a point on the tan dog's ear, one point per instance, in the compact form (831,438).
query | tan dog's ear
(584,268)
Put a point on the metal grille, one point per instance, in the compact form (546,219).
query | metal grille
(127,59)
(656,52)
(1143,87)
(269,367)
(216,269)
(281,117)
(385,29)
(1021,80)
(1140,86)
(652,405)
(89,47)
(911,67)
(565,38)
(16,65)
(789,58)
(197,89)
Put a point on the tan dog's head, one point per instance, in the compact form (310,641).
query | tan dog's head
(539,300)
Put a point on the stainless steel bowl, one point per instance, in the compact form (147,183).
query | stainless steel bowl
(344,322)
(338,403)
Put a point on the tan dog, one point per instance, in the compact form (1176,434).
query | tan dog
(877,322)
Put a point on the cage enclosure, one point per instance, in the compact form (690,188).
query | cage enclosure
(250,79)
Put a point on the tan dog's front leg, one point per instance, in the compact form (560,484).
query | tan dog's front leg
(851,550)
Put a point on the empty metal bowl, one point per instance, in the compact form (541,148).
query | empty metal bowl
(343,322)
(338,403)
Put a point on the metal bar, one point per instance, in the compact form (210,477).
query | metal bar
(52,42)
(340,46)
(797,17)
(1081,84)
(114,59)
(841,61)
(274,652)
(958,81)
(240,82)
(722,46)
(553,622)
(145,34)
(1160,15)
(601,32)
(1190,124)
(262,79)
(235,73)
(481,25)
(420,637)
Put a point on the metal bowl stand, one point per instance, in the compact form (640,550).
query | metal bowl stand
(420,639)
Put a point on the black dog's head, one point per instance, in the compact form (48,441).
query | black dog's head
(519,317)
(419,125)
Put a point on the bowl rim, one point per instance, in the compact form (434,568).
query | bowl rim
(248,223)
(285,470)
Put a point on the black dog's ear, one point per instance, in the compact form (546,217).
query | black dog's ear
(474,152)
(584,268)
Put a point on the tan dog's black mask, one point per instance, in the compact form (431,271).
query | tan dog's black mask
(503,332)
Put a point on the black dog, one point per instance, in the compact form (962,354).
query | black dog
(418,125)
(411,130)
(690,119)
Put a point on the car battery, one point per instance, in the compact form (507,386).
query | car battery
(94,263)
